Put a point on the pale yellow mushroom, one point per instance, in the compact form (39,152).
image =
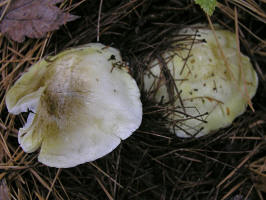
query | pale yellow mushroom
(83,103)
(212,92)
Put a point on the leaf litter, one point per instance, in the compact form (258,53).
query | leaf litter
(32,18)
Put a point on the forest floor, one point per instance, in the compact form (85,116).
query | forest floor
(153,163)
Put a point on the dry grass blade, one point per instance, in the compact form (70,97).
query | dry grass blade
(230,12)
(6,4)
(255,149)
(53,183)
(40,179)
(4,148)
(104,189)
(252,8)
(107,175)
(233,189)
(1,151)
(258,176)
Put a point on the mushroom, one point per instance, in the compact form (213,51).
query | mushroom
(82,103)
(211,91)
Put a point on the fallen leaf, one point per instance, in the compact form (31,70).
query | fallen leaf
(207,5)
(32,18)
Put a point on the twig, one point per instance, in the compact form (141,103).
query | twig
(99,19)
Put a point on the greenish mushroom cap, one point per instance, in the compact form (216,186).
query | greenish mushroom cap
(83,103)
(213,94)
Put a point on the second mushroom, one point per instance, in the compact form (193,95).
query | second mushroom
(211,90)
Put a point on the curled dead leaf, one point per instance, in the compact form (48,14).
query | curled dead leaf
(32,18)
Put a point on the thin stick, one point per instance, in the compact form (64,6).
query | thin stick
(107,175)
(242,77)
(5,9)
(240,164)
(99,19)
(104,189)
(233,189)
(51,188)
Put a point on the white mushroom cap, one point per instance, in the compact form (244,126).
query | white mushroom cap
(83,101)
(205,83)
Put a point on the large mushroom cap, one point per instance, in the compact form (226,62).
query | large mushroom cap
(83,103)
(213,93)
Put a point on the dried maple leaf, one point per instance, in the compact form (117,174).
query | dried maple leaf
(32,18)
